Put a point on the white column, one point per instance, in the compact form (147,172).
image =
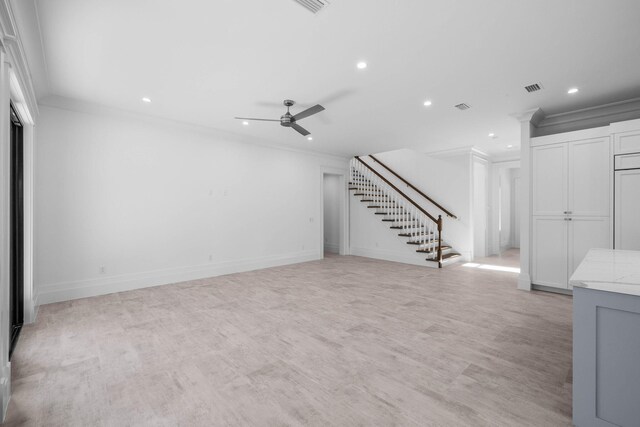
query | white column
(528,120)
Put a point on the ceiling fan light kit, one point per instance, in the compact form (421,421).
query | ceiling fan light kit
(290,121)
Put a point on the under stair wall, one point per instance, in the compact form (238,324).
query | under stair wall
(448,181)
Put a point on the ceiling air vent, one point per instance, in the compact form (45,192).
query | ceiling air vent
(314,6)
(462,106)
(533,88)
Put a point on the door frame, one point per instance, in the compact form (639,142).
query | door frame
(16,228)
(343,174)
(480,160)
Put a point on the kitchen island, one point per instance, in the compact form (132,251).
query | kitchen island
(606,339)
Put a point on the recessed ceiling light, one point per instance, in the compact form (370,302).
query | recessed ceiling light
(246,123)
(361,65)
(491,135)
(572,90)
(509,146)
(147,100)
(310,138)
(427,103)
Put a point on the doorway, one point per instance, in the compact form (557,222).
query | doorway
(508,209)
(480,206)
(332,190)
(505,219)
(16,252)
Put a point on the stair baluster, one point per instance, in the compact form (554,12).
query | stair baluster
(422,229)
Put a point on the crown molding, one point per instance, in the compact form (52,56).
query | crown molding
(533,116)
(10,39)
(84,107)
(461,151)
(587,118)
(595,112)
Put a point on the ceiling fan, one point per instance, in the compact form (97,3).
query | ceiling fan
(288,120)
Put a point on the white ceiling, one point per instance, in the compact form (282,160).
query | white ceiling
(204,62)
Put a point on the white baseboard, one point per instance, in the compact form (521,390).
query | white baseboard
(101,286)
(524,282)
(409,258)
(31,309)
(5,390)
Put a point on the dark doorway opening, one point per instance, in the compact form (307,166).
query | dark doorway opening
(16,252)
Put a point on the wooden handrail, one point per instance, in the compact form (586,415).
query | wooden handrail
(398,190)
(449,214)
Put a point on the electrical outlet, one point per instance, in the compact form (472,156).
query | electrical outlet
(311,219)
(102,270)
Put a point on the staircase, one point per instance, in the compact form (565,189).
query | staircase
(408,219)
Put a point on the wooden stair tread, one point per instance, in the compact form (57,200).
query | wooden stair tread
(430,251)
(423,243)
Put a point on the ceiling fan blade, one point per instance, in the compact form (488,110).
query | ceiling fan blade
(309,112)
(300,129)
(262,120)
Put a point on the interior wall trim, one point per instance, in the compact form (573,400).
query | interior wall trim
(458,152)
(66,291)
(586,118)
(16,55)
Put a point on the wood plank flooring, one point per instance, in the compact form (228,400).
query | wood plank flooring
(345,341)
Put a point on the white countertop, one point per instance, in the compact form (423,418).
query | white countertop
(610,270)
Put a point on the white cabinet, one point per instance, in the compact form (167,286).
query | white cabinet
(549,256)
(626,137)
(572,178)
(627,142)
(560,244)
(571,202)
(549,178)
(589,177)
(586,233)
(627,209)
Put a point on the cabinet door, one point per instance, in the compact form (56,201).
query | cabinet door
(549,258)
(627,210)
(589,177)
(627,142)
(586,233)
(549,179)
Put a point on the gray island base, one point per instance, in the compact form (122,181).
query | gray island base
(606,339)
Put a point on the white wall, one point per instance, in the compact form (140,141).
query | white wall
(125,203)
(332,195)
(445,179)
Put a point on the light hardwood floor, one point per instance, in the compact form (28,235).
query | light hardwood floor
(343,341)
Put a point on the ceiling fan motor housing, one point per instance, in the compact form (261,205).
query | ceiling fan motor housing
(286,120)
